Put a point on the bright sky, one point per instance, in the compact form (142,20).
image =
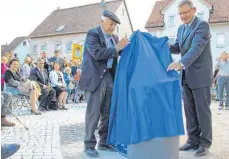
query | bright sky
(21,17)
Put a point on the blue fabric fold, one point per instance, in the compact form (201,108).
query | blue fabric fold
(146,99)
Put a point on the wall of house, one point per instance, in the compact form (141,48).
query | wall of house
(52,41)
(124,29)
(22,50)
(216,49)
(171,31)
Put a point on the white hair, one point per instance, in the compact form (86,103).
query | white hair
(184,2)
(44,51)
(103,18)
(67,69)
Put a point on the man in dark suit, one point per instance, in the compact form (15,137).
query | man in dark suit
(98,68)
(193,42)
(40,75)
(46,60)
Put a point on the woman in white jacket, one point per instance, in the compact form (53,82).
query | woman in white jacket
(58,83)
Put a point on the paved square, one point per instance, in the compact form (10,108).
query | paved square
(59,134)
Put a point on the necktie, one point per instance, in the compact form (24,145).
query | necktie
(110,61)
(42,73)
(185,30)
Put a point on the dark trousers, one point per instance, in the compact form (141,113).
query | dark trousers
(46,97)
(6,102)
(98,107)
(198,115)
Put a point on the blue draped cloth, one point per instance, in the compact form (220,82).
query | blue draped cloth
(146,100)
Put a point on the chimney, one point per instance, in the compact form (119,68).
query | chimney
(102,2)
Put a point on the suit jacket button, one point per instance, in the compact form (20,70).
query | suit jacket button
(101,76)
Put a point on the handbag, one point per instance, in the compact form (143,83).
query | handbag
(25,86)
(53,105)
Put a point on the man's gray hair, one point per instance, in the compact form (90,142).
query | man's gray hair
(103,18)
(40,60)
(184,2)
(44,51)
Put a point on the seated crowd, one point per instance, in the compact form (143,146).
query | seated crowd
(50,80)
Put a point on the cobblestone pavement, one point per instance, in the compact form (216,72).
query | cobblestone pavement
(59,134)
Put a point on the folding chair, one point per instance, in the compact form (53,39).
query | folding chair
(20,101)
(10,111)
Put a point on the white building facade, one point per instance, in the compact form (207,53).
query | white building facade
(63,41)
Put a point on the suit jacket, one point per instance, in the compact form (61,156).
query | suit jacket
(12,79)
(35,75)
(95,58)
(196,55)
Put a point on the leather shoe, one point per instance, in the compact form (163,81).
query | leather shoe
(104,147)
(47,109)
(8,150)
(91,152)
(40,108)
(36,113)
(187,146)
(201,151)
(5,122)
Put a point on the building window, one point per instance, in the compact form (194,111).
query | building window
(69,46)
(171,20)
(58,46)
(200,15)
(60,28)
(43,47)
(35,49)
(123,12)
(24,43)
(172,40)
(220,40)
(117,29)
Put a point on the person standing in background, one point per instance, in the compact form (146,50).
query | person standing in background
(4,67)
(223,80)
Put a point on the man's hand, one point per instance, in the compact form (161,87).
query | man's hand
(63,85)
(49,87)
(177,66)
(121,44)
(169,45)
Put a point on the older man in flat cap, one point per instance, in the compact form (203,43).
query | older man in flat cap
(101,51)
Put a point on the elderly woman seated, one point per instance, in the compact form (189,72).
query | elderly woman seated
(14,80)
(58,83)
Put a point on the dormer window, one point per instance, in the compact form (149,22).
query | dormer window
(60,28)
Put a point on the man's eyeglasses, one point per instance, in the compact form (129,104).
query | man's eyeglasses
(183,13)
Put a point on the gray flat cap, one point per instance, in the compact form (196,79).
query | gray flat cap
(111,15)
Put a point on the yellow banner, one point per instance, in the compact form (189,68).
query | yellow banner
(77,52)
